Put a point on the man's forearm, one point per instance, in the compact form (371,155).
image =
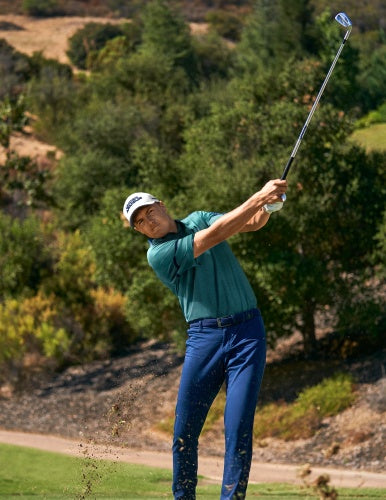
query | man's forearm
(233,222)
(229,224)
(258,221)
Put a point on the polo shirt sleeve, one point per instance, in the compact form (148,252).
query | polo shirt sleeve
(172,258)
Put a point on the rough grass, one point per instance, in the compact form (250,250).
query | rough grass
(372,138)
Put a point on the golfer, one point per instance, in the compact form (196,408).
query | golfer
(226,337)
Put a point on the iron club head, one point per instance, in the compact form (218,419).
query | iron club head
(343,19)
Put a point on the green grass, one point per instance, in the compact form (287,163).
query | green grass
(372,138)
(33,474)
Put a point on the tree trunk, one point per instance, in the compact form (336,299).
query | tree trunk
(308,329)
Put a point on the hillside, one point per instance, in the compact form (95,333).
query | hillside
(121,401)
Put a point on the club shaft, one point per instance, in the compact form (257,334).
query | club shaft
(303,131)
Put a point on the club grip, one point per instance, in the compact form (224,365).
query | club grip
(287,167)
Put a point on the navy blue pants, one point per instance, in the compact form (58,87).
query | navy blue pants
(233,350)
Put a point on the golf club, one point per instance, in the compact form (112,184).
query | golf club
(344,20)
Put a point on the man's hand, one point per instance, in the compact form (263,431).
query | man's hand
(249,216)
(273,191)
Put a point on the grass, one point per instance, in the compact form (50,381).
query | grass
(372,138)
(34,474)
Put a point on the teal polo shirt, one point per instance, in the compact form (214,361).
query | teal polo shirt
(212,285)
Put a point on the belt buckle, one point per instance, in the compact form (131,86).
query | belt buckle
(225,321)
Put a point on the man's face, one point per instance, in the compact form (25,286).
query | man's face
(153,221)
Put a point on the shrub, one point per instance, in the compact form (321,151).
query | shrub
(22,255)
(40,8)
(376,116)
(112,331)
(92,37)
(30,328)
(302,418)
(226,24)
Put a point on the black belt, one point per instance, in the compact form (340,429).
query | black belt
(225,321)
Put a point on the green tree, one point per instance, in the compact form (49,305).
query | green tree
(372,80)
(166,34)
(118,251)
(22,256)
(92,37)
(275,31)
(80,183)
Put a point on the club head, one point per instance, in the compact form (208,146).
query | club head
(343,19)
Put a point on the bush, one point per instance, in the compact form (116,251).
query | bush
(22,256)
(376,116)
(92,37)
(30,329)
(24,180)
(40,8)
(111,330)
(226,24)
(301,419)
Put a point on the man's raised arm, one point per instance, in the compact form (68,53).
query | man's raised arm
(240,218)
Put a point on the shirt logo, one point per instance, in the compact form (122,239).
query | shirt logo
(132,201)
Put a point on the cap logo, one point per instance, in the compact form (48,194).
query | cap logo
(132,201)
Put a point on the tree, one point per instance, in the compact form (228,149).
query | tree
(92,37)
(22,256)
(165,34)
(276,31)
(315,254)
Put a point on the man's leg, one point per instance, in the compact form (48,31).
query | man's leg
(201,379)
(246,349)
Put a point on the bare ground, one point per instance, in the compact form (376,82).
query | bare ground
(50,35)
(47,35)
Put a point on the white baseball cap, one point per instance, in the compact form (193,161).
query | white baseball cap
(135,201)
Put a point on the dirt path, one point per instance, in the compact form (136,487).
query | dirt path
(209,467)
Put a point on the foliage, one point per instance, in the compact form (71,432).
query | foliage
(81,183)
(24,181)
(12,118)
(40,8)
(202,124)
(166,35)
(30,327)
(226,23)
(274,32)
(22,256)
(301,419)
(380,249)
(92,37)
(377,116)
(160,316)
(14,71)
(214,58)
(118,251)
(372,79)
(94,317)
